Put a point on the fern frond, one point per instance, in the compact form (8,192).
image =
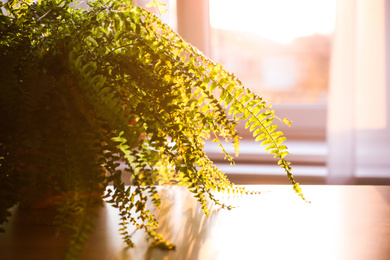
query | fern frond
(244,104)
(89,95)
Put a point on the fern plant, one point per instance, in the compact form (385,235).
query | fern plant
(84,91)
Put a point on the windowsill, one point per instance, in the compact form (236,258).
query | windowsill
(301,152)
(254,165)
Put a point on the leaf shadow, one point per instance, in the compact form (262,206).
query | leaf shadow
(183,222)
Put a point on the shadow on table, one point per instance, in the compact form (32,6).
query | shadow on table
(183,223)
(181,219)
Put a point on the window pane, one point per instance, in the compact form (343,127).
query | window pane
(280,48)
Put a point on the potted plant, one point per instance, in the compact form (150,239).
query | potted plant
(84,92)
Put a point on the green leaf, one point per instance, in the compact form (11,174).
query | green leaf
(161,7)
(271,146)
(104,91)
(246,114)
(228,99)
(92,41)
(257,109)
(266,141)
(261,137)
(246,98)
(282,147)
(282,154)
(213,86)
(280,140)
(224,94)
(99,81)
(238,92)
(78,61)
(268,121)
(272,128)
(287,122)
(276,135)
(90,66)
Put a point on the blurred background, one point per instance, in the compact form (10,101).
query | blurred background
(323,64)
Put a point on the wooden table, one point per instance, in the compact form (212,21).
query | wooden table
(342,222)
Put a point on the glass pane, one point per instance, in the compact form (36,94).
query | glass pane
(280,48)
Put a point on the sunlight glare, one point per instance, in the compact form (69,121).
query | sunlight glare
(279,20)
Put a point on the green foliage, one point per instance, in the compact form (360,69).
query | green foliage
(161,7)
(84,91)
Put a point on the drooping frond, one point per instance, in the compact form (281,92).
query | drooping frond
(92,94)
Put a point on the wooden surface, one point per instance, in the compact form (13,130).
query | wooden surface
(342,222)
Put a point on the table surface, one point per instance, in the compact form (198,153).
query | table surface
(342,222)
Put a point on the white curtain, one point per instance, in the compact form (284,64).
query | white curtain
(359,103)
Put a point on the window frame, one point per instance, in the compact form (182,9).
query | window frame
(309,120)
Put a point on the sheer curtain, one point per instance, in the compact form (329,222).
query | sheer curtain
(358,128)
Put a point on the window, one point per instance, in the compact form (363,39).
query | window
(279,49)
